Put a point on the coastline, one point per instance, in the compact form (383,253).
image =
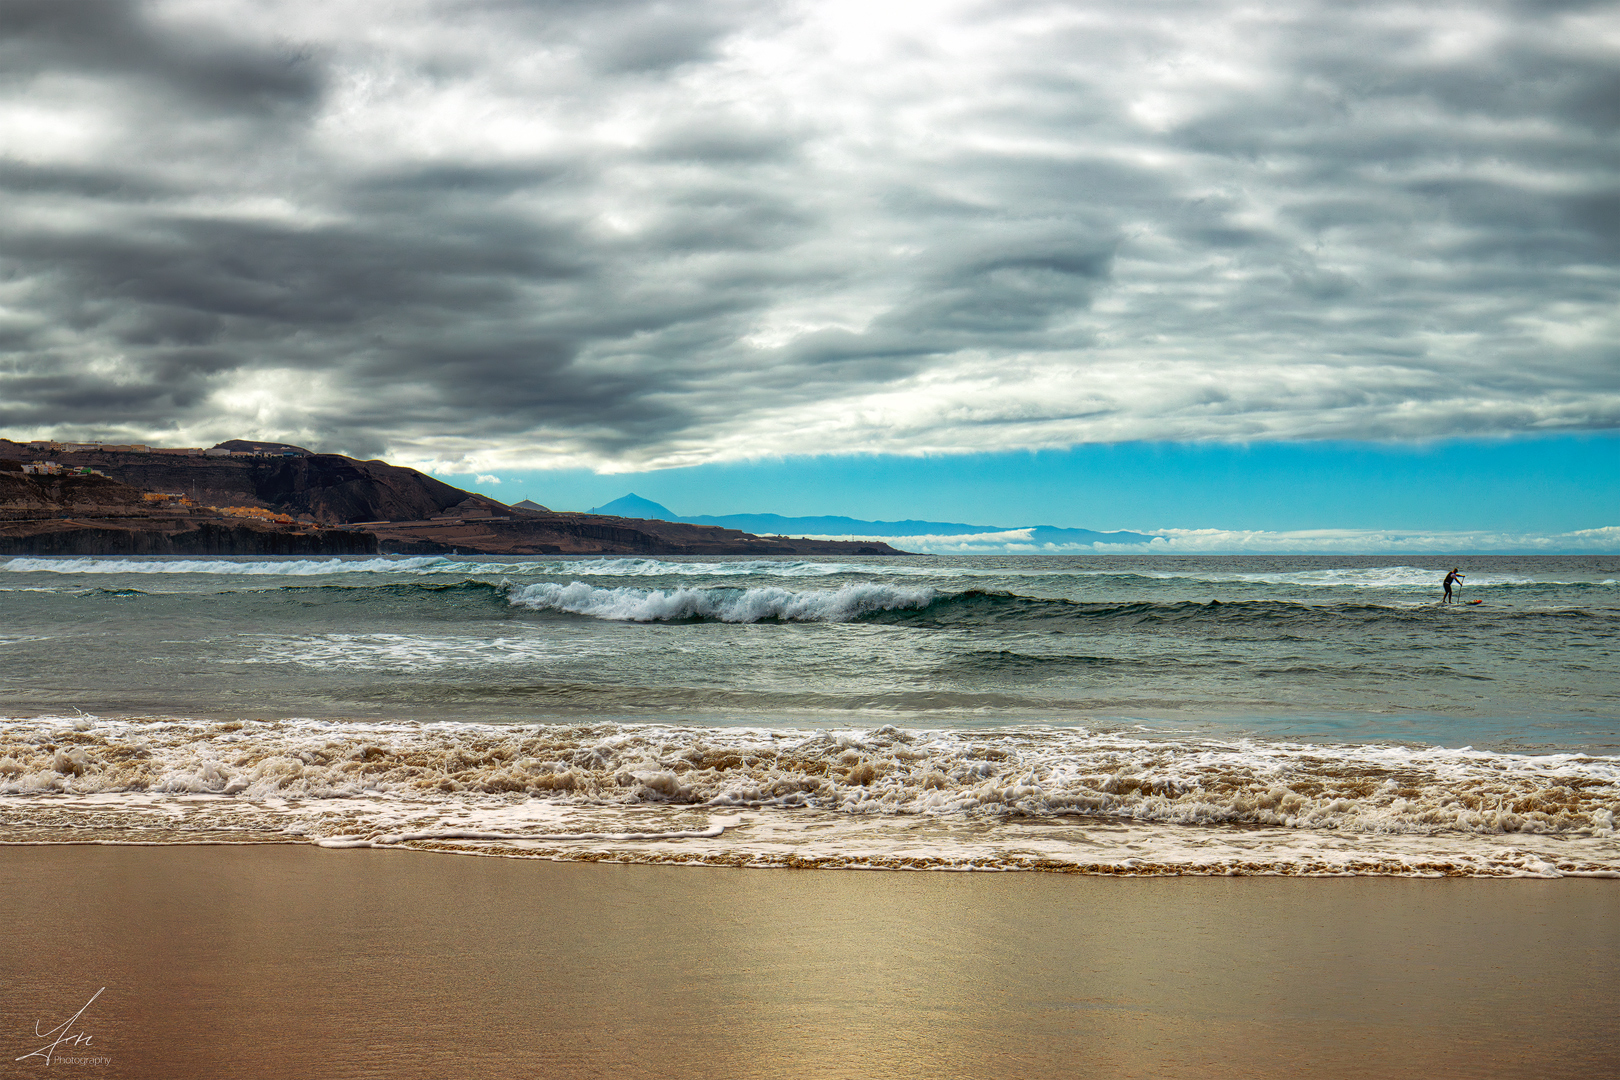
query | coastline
(288,960)
(974,716)
(277,499)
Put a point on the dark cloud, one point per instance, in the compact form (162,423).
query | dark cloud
(621,233)
(205,67)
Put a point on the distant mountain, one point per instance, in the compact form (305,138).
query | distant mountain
(762,524)
(634,506)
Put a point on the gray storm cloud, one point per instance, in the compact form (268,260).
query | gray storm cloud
(629,234)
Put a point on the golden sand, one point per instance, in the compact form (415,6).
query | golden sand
(298,962)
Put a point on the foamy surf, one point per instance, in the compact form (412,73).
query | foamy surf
(948,648)
(789,568)
(720,604)
(1392,579)
(1041,799)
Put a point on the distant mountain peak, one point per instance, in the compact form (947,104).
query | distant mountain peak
(267,447)
(634,506)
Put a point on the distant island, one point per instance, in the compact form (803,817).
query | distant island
(775,524)
(242,497)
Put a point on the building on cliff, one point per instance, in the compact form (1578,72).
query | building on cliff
(96,447)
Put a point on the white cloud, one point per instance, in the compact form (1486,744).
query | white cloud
(625,235)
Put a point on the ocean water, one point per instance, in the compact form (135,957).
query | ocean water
(1104,714)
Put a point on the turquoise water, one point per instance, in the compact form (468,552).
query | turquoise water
(1317,716)
(1289,647)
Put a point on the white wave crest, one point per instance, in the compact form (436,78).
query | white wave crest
(737,568)
(720,604)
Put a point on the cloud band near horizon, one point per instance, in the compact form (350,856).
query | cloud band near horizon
(1604,540)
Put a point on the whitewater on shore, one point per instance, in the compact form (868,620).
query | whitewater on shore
(1118,715)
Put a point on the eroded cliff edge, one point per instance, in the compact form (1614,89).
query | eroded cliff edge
(153,503)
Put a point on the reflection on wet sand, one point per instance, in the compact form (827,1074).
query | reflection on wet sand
(281,960)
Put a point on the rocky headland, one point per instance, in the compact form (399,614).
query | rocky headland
(243,498)
(89,514)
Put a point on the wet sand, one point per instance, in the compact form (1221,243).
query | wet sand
(294,961)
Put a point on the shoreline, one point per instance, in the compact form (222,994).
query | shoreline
(1048,798)
(283,959)
(907,865)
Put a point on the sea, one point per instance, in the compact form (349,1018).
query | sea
(1100,714)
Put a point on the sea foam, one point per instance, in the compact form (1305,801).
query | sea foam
(1024,798)
(720,604)
(888,770)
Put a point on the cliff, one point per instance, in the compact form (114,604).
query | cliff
(342,506)
(150,536)
(326,488)
(97,515)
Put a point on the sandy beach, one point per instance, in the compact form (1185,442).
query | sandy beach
(262,961)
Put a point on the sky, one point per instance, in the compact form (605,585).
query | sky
(1116,264)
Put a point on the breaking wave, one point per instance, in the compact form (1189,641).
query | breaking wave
(882,603)
(720,604)
(917,605)
(739,568)
(1402,582)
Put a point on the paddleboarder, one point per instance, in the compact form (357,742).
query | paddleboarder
(1452,578)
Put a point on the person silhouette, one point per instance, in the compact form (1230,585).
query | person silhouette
(1452,578)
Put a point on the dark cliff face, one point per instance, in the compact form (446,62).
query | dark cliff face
(421,514)
(337,490)
(375,491)
(70,514)
(329,488)
(19,492)
(67,537)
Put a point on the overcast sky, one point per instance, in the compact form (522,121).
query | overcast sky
(617,236)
